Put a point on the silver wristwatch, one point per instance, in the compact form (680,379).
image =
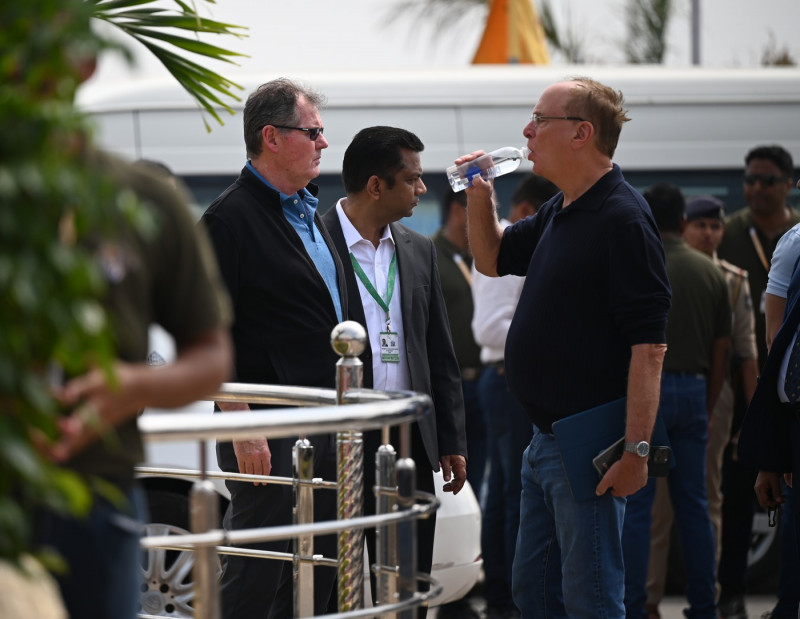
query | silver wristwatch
(641,449)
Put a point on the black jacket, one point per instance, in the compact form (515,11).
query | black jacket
(283,311)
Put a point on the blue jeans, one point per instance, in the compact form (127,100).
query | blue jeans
(568,561)
(683,410)
(509,432)
(103,555)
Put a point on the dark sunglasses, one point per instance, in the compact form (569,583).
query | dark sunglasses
(767,180)
(313,132)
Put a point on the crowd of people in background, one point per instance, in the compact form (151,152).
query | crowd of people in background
(672,305)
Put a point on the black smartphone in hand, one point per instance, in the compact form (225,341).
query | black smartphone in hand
(657,462)
(603,461)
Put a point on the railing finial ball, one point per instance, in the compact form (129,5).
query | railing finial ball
(348,338)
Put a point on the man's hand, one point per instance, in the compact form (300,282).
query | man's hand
(625,477)
(100,401)
(768,490)
(455,468)
(479,190)
(254,457)
(98,405)
(469,157)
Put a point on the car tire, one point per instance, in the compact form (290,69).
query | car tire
(167,581)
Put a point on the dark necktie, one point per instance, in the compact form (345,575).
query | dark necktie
(792,384)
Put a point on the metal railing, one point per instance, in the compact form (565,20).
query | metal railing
(347,412)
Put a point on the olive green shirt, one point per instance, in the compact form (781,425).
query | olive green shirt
(701,308)
(169,277)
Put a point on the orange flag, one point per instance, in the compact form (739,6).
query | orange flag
(513,34)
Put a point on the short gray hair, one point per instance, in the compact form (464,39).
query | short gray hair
(274,103)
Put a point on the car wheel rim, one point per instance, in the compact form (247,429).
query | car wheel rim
(167,587)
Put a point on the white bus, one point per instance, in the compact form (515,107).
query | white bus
(691,126)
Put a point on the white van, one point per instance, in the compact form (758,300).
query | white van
(690,126)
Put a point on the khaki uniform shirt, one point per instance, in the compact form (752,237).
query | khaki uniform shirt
(743,334)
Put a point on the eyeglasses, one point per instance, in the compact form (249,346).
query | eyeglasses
(537,119)
(767,180)
(313,132)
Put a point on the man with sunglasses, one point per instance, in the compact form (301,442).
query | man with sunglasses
(752,233)
(751,236)
(590,329)
(287,287)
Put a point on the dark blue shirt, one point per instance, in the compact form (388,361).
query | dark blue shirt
(596,285)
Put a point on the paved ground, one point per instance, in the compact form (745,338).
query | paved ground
(671,608)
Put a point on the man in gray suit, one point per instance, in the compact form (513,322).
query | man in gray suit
(394,291)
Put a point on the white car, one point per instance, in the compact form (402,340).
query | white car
(167,588)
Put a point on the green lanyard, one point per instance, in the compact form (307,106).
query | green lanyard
(384,304)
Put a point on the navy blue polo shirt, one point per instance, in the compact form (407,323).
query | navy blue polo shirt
(596,285)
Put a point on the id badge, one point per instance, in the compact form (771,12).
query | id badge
(390,352)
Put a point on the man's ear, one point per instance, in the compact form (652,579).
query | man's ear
(583,132)
(374,187)
(269,137)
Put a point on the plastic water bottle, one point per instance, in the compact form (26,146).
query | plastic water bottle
(491,165)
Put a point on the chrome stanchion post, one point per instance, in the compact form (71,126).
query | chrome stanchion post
(204,516)
(406,535)
(348,340)
(302,569)
(386,535)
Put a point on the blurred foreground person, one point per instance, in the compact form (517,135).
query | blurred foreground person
(166,275)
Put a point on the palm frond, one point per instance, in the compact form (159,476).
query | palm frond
(159,30)
(436,15)
(564,40)
(647,27)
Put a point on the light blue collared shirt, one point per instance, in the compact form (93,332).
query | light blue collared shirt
(299,210)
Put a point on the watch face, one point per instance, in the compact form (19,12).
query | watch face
(641,449)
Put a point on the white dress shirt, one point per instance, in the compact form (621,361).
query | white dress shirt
(495,300)
(375,264)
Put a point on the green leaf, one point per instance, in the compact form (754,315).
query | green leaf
(74,490)
(146,24)
(19,455)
